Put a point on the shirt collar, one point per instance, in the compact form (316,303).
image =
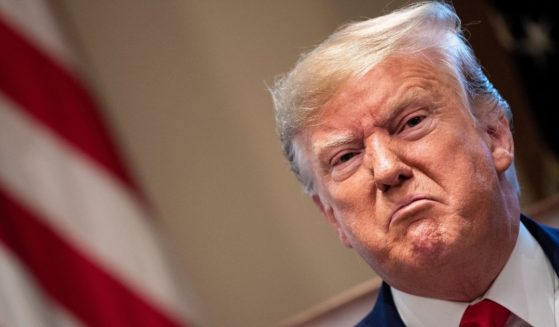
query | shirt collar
(523,287)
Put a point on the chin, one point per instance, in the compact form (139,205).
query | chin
(426,243)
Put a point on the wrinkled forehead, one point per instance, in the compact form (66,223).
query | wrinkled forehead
(391,83)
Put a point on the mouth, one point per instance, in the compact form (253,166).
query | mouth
(408,207)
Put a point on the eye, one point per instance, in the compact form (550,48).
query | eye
(346,157)
(345,163)
(412,122)
(343,158)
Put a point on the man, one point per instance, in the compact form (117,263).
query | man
(406,148)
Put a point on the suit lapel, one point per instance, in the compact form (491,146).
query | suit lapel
(385,314)
(547,237)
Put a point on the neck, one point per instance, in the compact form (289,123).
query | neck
(475,277)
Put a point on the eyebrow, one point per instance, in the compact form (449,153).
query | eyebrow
(332,141)
(399,105)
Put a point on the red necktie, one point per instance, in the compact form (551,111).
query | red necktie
(485,313)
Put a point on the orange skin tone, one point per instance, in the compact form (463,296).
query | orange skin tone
(409,180)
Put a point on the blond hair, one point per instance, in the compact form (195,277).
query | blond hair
(356,48)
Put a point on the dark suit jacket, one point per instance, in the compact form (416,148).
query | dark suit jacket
(385,314)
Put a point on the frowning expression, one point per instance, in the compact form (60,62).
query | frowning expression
(403,171)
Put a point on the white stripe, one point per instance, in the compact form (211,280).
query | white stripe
(33,19)
(85,204)
(21,301)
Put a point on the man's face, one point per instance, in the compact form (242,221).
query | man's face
(403,172)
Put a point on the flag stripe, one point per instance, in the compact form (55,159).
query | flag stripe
(32,19)
(84,204)
(74,218)
(67,275)
(22,303)
(52,95)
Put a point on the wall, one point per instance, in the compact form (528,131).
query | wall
(183,84)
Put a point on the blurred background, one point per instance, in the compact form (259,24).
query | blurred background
(182,87)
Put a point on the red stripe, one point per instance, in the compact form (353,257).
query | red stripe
(48,92)
(90,293)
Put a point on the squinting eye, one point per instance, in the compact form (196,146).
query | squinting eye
(346,157)
(343,158)
(345,163)
(414,121)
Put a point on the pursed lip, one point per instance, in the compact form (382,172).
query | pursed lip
(407,206)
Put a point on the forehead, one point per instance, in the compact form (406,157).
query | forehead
(375,99)
(392,83)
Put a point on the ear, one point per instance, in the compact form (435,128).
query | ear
(328,213)
(501,143)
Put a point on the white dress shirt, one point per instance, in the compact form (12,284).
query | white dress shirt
(527,286)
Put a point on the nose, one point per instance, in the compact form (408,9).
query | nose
(386,163)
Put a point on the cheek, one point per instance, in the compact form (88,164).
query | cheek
(371,243)
(363,220)
(459,168)
(477,171)
(468,178)
(457,156)
(353,195)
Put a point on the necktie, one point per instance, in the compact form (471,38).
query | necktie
(485,313)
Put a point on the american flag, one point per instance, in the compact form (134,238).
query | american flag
(77,244)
